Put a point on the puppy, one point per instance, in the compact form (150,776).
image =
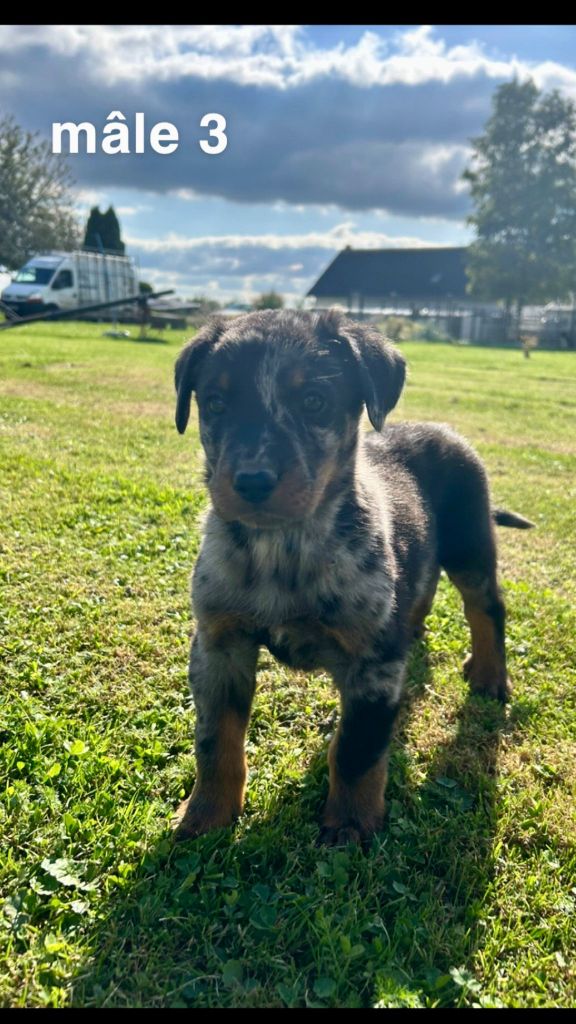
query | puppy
(325,545)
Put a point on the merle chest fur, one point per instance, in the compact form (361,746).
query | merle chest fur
(303,589)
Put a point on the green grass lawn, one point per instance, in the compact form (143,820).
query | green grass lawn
(468,897)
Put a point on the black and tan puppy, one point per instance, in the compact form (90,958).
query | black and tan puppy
(325,545)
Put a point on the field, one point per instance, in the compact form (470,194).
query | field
(468,897)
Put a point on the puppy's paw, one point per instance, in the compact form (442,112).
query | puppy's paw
(344,835)
(196,816)
(344,827)
(487,683)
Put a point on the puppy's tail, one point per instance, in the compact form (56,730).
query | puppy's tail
(503,518)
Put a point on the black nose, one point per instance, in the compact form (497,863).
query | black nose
(255,487)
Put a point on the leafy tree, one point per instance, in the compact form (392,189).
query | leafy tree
(145,288)
(92,235)
(207,306)
(523,184)
(103,231)
(36,206)
(269,300)
(112,232)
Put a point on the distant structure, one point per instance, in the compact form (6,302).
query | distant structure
(430,283)
(405,281)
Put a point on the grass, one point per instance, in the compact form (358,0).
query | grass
(468,898)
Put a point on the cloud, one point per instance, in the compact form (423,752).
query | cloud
(132,211)
(86,198)
(393,149)
(276,56)
(336,238)
(245,265)
(382,122)
(89,197)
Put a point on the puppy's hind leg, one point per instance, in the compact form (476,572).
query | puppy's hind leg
(485,667)
(467,551)
(422,607)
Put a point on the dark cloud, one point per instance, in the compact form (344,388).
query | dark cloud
(327,141)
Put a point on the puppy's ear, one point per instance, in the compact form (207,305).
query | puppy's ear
(382,371)
(188,366)
(381,367)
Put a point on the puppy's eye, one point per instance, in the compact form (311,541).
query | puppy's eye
(215,405)
(313,402)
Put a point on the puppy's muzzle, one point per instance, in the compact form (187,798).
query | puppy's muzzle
(256,485)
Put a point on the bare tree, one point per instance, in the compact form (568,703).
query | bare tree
(36,205)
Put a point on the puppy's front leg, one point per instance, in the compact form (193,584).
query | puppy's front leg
(222,679)
(358,755)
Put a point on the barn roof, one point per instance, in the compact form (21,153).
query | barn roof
(395,273)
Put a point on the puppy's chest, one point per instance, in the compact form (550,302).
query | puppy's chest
(282,578)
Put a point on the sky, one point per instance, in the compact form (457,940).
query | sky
(337,135)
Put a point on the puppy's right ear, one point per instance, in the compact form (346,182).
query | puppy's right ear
(188,367)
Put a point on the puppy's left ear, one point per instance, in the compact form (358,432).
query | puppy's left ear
(381,367)
(188,365)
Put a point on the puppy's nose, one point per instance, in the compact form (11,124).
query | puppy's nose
(255,486)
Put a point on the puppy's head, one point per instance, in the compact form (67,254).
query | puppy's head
(280,396)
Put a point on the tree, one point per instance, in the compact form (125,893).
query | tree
(103,231)
(269,300)
(36,206)
(206,306)
(523,184)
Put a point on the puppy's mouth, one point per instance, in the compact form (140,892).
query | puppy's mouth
(259,517)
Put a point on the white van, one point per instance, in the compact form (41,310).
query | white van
(62,281)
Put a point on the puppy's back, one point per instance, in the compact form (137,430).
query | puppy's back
(445,467)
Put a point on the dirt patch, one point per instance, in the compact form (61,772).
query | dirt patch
(25,389)
(156,410)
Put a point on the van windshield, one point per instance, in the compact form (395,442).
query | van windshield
(34,275)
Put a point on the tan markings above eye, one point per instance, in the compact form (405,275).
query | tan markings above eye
(224,380)
(297,378)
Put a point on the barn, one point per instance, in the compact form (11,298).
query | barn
(409,281)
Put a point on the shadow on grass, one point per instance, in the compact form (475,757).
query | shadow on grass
(261,916)
(148,339)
